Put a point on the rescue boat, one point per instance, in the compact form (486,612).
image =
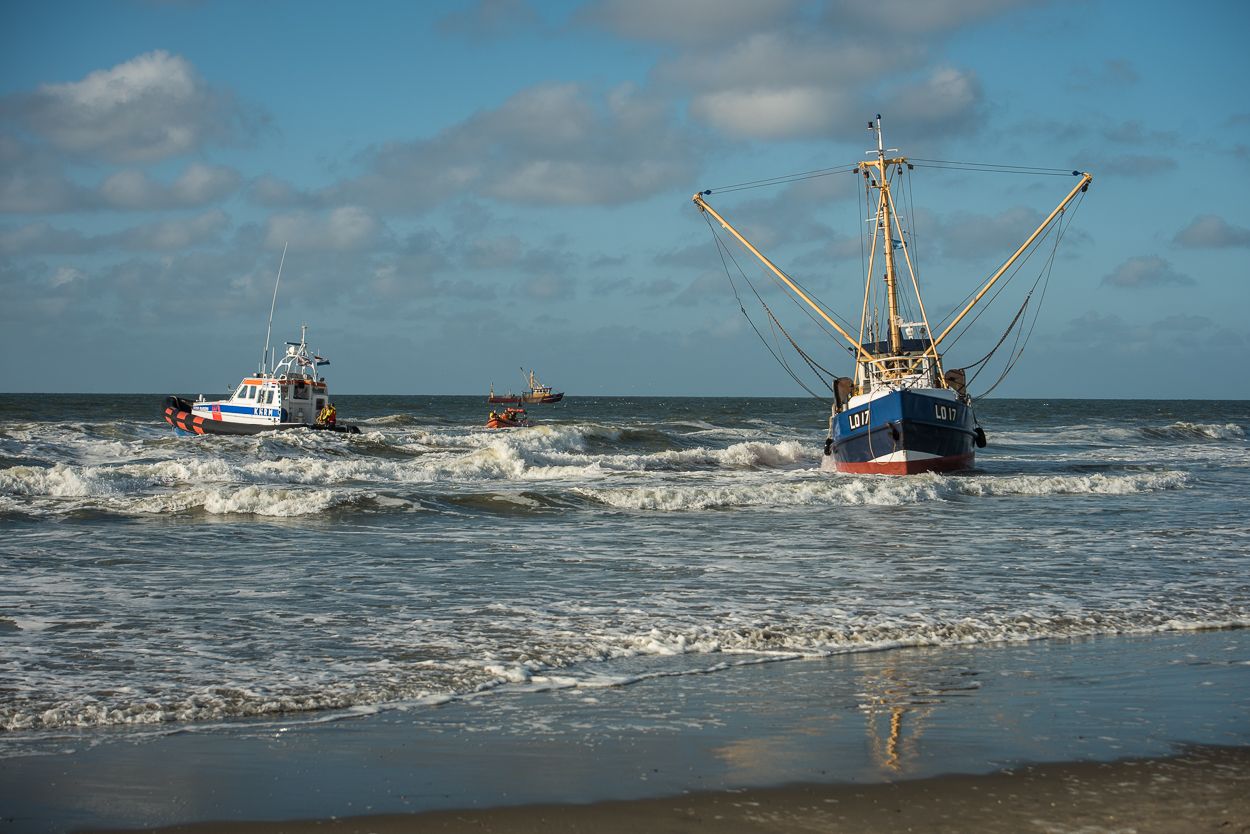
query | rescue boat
(509,418)
(291,397)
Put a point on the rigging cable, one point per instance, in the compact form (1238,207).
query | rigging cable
(990,168)
(999,290)
(1055,228)
(863,257)
(1015,357)
(723,250)
(782,180)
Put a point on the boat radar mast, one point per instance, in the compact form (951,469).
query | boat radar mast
(264,357)
(886,230)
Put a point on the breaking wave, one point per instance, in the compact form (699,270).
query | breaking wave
(575,662)
(301,473)
(881,491)
(1200,431)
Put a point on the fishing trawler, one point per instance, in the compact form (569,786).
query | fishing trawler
(902,411)
(537,394)
(292,396)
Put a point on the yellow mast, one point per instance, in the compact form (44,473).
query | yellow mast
(881,166)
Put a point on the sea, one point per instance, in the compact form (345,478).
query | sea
(153,583)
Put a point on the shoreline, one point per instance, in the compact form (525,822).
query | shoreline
(1202,789)
(903,727)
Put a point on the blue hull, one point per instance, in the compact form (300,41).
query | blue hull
(902,433)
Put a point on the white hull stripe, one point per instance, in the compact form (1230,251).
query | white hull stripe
(904,456)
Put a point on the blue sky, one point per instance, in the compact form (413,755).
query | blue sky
(470,187)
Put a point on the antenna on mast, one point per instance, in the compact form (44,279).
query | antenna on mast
(264,357)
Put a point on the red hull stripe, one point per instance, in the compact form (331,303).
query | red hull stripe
(907,467)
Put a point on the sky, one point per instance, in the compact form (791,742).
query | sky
(467,188)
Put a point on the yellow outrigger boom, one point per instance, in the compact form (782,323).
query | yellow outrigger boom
(703,206)
(1086,179)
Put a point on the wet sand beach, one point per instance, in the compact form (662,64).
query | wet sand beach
(1201,790)
(1009,737)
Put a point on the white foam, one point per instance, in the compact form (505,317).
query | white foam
(879,491)
(566,658)
(247,500)
(60,481)
(1096,484)
(1212,431)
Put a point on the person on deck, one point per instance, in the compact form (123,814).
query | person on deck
(328,416)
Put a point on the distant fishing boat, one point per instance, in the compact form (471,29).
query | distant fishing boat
(901,412)
(538,394)
(292,396)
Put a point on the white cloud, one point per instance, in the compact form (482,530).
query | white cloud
(549,287)
(778,113)
(31,181)
(944,102)
(687,21)
(172,235)
(65,275)
(342,229)
(268,190)
(201,184)
(805,81)
(1145,271)
(489,19)
(968,236)
(166,235)
(1210,231)
(197,185)
(786,57)
(42,238)
(554,144)
(494,253)
(908,16)
(151,107)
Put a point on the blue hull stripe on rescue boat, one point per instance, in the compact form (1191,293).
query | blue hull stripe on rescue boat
(246,410)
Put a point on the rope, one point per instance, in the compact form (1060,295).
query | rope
(782,180)
(1001,339)
(723,250)
(990,167)
(1015,356)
